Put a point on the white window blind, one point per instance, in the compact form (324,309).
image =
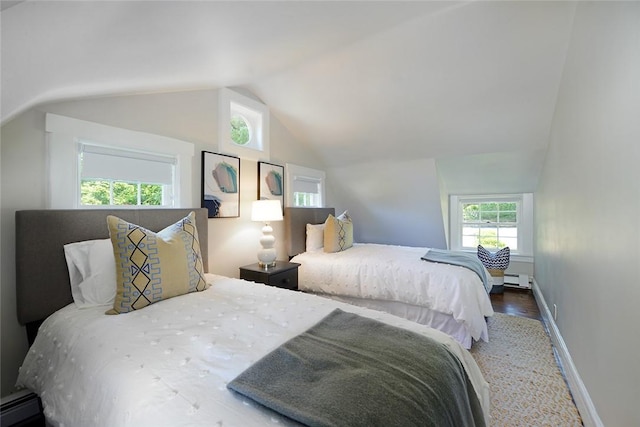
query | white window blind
(304,184)
(124,165)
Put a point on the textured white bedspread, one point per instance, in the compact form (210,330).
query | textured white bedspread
(396,273)
(168,364)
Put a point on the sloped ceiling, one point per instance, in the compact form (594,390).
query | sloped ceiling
(359,81)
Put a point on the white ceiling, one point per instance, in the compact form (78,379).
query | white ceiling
(360,81)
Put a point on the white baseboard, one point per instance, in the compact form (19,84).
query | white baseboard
(578,390)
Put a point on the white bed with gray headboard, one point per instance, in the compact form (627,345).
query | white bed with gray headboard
(184,359)
(42,276)
(390,278)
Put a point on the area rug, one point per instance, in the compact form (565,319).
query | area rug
(527,387)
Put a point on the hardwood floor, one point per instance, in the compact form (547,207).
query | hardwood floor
(517,302)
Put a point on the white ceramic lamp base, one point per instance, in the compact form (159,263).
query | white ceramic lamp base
(267,255)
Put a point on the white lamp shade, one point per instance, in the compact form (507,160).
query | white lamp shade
(266,210)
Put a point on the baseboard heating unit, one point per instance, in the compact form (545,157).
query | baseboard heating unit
(520,281)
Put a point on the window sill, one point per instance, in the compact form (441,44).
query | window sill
(512,257)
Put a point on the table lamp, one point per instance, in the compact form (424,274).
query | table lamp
(266,211)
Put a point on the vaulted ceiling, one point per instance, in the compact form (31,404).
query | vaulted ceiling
(471,84)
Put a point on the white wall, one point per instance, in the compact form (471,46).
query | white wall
(391,202)
(588,208)
(188,116)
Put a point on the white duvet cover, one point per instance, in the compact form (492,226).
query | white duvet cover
(396,273)
(169,363)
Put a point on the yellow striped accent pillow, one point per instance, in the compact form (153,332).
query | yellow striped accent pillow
(152,266)
(338,233)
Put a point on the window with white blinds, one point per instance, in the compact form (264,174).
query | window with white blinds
(112,176)
(305,186)
(95,164)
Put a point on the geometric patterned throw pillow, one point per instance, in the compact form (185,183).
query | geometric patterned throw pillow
(152,266)
(497,261)
(338,233)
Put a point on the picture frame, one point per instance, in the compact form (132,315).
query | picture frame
(271,182)
(221,185)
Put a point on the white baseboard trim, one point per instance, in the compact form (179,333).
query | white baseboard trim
(578,390)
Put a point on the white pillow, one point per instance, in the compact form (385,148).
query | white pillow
(92,271)
(77,256)
(344,216)
(99,289)
(315,237)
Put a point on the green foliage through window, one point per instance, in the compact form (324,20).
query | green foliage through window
(239,130)
(305,199)
(490,212)
(107,192)
(491,224)
(95,192)
(150,194)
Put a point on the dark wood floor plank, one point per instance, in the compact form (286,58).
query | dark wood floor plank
(517,302)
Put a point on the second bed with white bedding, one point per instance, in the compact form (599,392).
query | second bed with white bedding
(395,278)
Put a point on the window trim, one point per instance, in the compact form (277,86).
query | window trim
(255,113)
(294,172)
(63,139)
(525,221)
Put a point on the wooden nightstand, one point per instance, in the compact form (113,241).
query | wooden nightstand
(22,409)
(283,275)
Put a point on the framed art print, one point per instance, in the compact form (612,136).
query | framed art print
(271,182)
(221,185)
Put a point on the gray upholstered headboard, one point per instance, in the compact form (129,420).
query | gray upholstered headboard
(42,278)
(295,224)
